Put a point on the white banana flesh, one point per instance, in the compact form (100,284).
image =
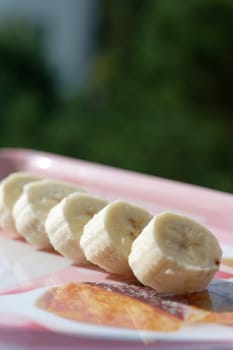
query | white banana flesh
(175,254)
(10,190)
(65,222)
(32,208)
(108,236)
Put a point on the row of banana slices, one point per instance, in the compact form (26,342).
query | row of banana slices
(168,252)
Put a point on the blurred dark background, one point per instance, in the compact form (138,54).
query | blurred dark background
(141,85)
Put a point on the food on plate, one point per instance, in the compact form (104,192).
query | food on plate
(65,222)
(169,252)
(175,254)
(94,304)
(107,238)
(138,307)
(32,207)
(11,188)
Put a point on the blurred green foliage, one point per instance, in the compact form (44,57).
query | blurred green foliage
(159,100)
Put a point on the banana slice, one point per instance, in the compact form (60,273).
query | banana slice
(11,188)
(175,254)
(107,237)
(65,223)
(32,208)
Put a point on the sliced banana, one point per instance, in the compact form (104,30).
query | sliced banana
(107,237)
(32,208)
(11,188)
(175,254)
(65,222)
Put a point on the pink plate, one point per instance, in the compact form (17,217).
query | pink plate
(26,273)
